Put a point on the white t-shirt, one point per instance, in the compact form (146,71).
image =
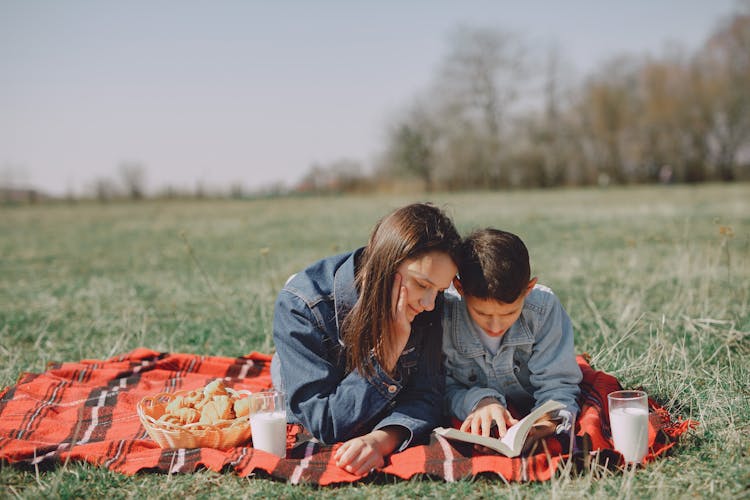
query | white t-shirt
(492,344)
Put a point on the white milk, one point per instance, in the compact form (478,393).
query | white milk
(269,432)
(630,432)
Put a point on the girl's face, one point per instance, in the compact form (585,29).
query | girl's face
(423,278)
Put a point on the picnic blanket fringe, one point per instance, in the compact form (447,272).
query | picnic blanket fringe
(85,411)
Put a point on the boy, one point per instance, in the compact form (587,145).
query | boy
(507,340)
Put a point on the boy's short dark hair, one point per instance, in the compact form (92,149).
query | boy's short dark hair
(494,264)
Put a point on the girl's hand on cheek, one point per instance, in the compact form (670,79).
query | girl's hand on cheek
(401,324)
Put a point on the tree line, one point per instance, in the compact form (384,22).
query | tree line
(495,117)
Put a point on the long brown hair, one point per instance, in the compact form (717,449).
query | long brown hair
(407,233)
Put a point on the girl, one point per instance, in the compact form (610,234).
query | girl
(358,338)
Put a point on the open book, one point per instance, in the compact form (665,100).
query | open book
(512,443)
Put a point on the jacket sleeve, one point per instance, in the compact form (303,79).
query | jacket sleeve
(418,407)
(332,404)
(554,372)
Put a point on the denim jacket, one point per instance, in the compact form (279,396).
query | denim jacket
(335,404)
(535,362)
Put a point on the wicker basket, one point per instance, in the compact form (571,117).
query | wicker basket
(223,434)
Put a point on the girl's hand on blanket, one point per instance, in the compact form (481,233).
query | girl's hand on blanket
(488,413)
(362,454)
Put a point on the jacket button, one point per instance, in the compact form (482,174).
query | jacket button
(392,389)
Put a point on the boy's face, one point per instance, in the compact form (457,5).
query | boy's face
(493,316)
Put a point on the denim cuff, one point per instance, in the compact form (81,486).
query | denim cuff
(391,422)
(568,420)
(475,395)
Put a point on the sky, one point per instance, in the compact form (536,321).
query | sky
(253,93)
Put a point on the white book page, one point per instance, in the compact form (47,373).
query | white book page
(510,436)
(516,435)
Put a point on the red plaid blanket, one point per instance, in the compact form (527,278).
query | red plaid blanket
(86,411)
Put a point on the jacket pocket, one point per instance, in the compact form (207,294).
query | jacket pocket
(467,372)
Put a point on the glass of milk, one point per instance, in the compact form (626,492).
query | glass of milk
(628,419)
(268,422)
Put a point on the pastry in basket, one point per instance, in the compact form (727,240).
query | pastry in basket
(176,404)
(213,416)
(242,407)
(217,409)
(187,415)
(192,397)
(215,388)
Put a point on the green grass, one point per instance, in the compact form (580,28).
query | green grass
(656,280)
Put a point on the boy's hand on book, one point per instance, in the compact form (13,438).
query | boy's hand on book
(528,431)
(488,413)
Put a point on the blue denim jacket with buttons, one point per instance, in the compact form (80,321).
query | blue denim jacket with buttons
(535,362)
(331,402)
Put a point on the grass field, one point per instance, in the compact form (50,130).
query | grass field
(655,279)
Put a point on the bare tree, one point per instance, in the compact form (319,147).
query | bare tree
(551,134)
(104,189)
(133,178)
(727,58)
(237,190)
(412,144)
(663,90)
(609,104)
(344,175)
(479,81)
